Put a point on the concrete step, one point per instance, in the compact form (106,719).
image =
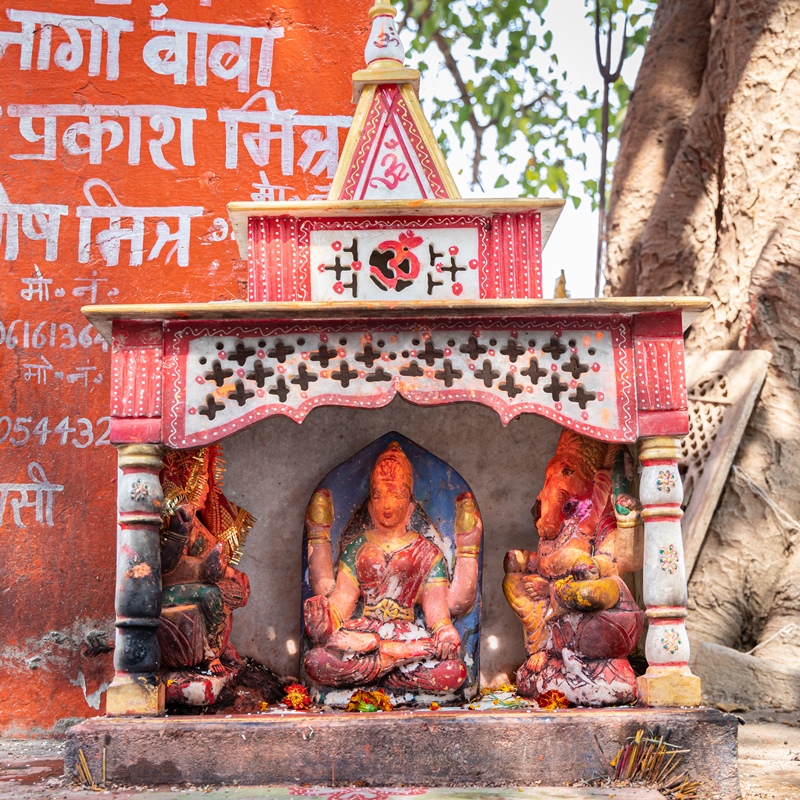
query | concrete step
(26,792)
(400,748)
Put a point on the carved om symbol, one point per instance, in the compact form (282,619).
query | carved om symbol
(395,172)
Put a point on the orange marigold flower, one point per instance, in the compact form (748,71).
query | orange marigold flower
(365,701)
(434,706)
(297,697)
(550,701)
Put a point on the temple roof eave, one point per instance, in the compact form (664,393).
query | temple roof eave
(240,212)
(103,316)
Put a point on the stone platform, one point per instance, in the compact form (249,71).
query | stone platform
(400,748)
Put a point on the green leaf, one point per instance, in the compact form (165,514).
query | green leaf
(518,94)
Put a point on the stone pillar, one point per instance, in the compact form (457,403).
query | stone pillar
(668,680)
(135,688)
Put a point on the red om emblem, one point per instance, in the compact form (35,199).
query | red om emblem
(393,265)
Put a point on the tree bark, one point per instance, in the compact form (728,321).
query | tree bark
(706,200)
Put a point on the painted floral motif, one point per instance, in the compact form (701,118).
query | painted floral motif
(140,491)
(671,641)
(668,558)
(665,481)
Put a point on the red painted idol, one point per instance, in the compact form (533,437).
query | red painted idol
(201,541)
(580,619)
(387,614)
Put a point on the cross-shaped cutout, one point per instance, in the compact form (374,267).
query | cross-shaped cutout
(338,268)
(574,367)
(369,356)
(432,284)
(323,355)
(453,270)
(352,286)
(555,348)
(218,374)
(513,350)
(380,374)
(211,407)
(259,374)
(556,387)
(581,396)
(344,374)
(509,387)
(447,374)
(280,390)
(304,377)
(434,255)
(353,249)
(473,348)
(240,394)
(413,370)
(487,374)
(430,353)
(241,353)
(280,351)
(534,371)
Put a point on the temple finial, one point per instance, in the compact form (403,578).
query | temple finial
(384,49)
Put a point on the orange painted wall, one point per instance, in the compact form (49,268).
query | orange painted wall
(57,569)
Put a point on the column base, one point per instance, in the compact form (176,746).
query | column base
(129,695)
(668,687)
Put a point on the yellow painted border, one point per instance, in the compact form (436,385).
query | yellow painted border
(429,140)
(351,143)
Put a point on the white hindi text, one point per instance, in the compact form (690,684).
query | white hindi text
(39,487)
(168,54)
(108,241)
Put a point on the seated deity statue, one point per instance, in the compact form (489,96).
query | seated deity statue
(580,619)
(386,617)
(202,536)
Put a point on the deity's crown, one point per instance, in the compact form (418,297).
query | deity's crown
(186,476)
(584,454)
(392,466)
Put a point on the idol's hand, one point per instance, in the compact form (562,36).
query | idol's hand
(469,526)
(319,513)
(628,509)
(182,521)
(319,618)
(585,568)
(447,642)
(215,563)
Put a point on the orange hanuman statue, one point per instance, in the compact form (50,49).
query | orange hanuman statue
(580,619)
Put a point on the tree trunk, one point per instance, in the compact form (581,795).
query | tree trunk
(706,200)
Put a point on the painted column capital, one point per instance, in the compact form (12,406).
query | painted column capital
(659,448)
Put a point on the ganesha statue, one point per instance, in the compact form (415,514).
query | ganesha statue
(400,609)
(202,537)
(580,619)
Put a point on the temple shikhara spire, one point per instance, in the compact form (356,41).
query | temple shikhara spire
(391,152)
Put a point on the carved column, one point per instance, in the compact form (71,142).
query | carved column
(668,680)
(135,688)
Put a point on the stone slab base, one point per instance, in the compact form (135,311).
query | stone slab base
(732,677)
(400,748)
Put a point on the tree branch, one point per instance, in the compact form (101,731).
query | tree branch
(438,38)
